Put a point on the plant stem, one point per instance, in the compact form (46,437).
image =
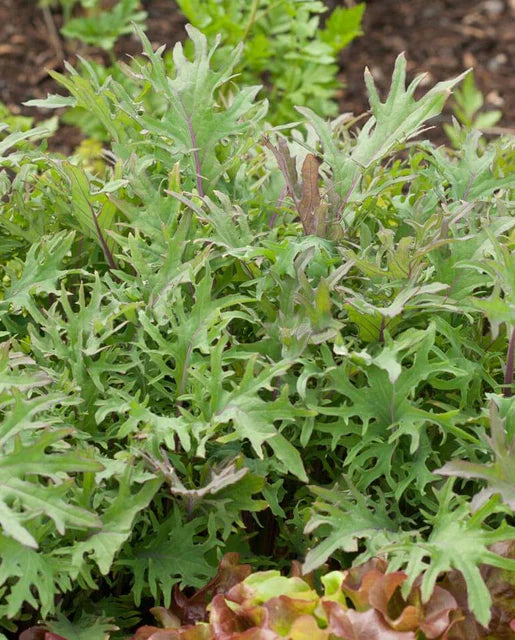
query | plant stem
(278,205)
(252,19)
(508,374)
(107,252)
(196,157)
(53,34)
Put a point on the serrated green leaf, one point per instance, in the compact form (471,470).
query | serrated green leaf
(86,627)
(398,119)
(41,271)
(172,556)
(347,517)
(29,573)
(191,119)
(116,526)
(500,474)
(453,523)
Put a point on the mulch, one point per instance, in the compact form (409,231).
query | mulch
(440,37)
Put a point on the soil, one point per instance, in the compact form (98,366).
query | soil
(441,37)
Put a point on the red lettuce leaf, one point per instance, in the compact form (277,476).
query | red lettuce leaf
(361,625)
(189,610)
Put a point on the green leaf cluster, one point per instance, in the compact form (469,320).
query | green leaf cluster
(468,105)
(284,46)
(236,339)
(94,24)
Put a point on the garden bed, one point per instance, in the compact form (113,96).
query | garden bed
(243,338)
(441,37)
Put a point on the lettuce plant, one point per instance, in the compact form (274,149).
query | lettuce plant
(363,602)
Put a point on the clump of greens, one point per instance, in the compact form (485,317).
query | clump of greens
(284,45)
(224,337)
(96,23)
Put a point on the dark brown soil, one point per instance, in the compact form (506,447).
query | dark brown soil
(442,37)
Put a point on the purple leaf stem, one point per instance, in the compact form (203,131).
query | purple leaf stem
(508,374)
(107,251)
(278,205)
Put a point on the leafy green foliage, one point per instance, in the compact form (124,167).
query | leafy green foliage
(500,473)
(84,628)
(398,119)
(192,120)
(283,46)
(468,102)
(231,339)
(37,484)
(452,522)
(101,27)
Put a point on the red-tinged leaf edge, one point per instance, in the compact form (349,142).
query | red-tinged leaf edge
(188,610)
(501,586)
(39,633)
(268,606)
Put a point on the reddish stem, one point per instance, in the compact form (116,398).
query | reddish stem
(508,374)
(107,252)
(278,204)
